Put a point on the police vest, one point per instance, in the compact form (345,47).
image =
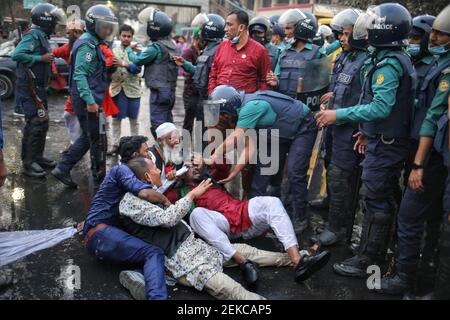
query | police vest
(204,63)
(426,92)
(165,73)
(41,70)
(290,112)
(440,142)
(398,123)
(347,84)
(337,68)
(98,82)
(291,65)
(272,51)
(168,239)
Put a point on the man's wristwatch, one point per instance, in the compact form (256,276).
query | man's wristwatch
(416,166)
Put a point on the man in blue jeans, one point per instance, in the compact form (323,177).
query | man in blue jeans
(106,241)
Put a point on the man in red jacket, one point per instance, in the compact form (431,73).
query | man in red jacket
(218,217)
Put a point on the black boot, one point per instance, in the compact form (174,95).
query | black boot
(64,177)
(339,201)
(40,147)
(308,265)
(372,248)
(321,203)
(300,222)
(30,148)
(442,286)
(397,283)
(250,271)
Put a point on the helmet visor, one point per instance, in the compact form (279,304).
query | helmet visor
(147,15)
(211,111)
(106,28)
(346,18)
(199,20)
(291,17)
(60,16)
(360,29)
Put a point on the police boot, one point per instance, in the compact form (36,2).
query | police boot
(300,221)
(372,248)
(30,149)
(340,196)
(44,162)
(442,286)
(397,283)
(321,203)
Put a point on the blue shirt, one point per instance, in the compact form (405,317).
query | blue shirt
(105,205)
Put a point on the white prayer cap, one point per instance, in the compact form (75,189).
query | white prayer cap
(164,129)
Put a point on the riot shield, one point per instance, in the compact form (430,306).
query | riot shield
(313,81)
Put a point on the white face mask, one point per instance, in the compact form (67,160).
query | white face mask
(289,40)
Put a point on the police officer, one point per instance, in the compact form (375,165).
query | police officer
(277,37)
(160,71)
(291,62)
(33,53)
(212,31)
(423,198)
(290,67)
(87,84)
(272,110)
(343,173)
(260,30)
(384,111)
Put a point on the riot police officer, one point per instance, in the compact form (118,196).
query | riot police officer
(261,110)
(212,31)
(260,30)
(384,111)
(33,56)
(342,172)
(423,198)
(160,71)
(277,38)
(87,84)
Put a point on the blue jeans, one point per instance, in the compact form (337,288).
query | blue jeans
(116,245)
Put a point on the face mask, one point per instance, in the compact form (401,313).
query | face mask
(236,39)
(290,40)
(438,50)
(413,49)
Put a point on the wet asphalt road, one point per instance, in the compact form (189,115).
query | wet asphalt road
(30,204)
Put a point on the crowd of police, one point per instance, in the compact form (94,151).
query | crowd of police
(381,113)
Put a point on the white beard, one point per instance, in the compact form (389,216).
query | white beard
(173,155)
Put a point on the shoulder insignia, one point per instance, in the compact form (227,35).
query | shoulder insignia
(380,78)
(443,85)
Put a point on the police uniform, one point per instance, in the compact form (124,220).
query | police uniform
(342,173)
(436,123)
(160,76)
(274,53)
(297,131)
(28,54)
(416,207)
(288,68)
(87,84)
(384,111)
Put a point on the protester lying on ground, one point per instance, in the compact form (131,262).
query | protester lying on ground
(218,216)
(190,260)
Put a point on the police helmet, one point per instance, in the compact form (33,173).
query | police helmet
(159,24)
(214,28)
(46,16)
(101,22)
(442,22)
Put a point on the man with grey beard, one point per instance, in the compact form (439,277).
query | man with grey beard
(166,153)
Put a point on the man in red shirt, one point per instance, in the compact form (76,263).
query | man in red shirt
(218,217)
(240,61)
